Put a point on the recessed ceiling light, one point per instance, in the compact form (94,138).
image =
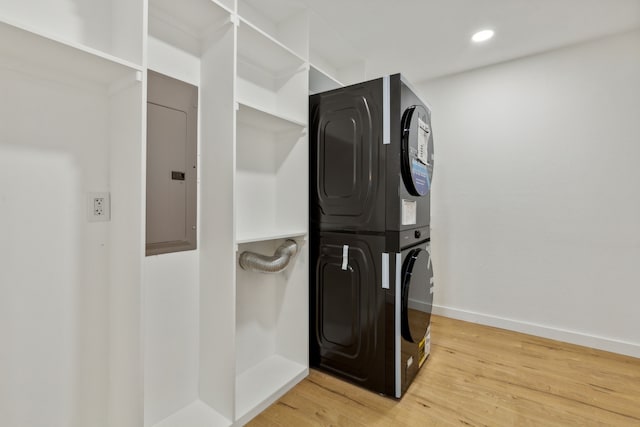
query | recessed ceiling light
(482,36)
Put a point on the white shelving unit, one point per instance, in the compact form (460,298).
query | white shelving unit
(194,41)
(186,339)
(270,175)
(252,194)
(71,125)
(271,201)
(271,330)
(270,76)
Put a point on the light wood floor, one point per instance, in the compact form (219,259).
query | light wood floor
(479,376)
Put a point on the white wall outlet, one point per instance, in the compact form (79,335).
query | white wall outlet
(98,207)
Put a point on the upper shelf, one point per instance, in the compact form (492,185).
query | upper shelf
(257,117)
(21,46)
(187,24)
(110,26)
(193,17)
(320,81)
(257,48)
(283,20)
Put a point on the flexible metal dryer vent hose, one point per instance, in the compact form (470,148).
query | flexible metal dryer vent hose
(269,264)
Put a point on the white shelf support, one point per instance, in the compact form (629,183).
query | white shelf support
(123,83)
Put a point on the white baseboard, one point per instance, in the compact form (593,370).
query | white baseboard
(573,337)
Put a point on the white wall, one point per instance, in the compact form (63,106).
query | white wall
(536,197)
(54,275)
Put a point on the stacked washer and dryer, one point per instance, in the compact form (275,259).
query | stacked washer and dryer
(371,279)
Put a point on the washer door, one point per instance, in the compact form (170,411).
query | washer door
(417,294)
(417,150)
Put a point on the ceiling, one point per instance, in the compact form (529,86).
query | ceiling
(425,39)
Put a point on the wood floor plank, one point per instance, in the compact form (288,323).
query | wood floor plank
(479,376)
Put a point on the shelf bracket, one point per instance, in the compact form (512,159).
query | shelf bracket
(125,82)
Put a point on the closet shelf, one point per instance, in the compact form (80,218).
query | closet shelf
(22,46)
(261,385)
(252,115)
(259,49)
(192,17)
(270,235)
(321,81)
(196,414)
(261,33)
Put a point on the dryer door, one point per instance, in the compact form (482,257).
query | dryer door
(417,294)
(417,150)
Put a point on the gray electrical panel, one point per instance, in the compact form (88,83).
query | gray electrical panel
(172,129)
